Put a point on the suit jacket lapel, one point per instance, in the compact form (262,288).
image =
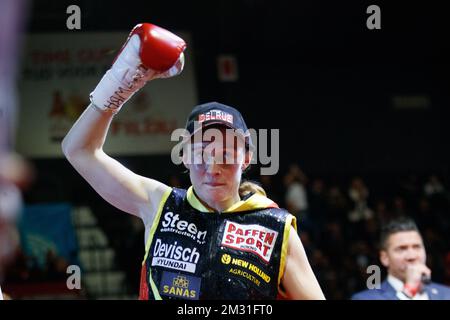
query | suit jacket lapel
(388,291)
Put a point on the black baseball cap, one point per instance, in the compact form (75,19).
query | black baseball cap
(215,113)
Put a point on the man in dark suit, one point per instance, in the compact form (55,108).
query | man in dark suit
(403,254)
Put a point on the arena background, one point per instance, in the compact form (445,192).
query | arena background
(359,111)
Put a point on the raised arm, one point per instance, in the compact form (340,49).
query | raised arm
(299,281)
(150,52)
(83,148)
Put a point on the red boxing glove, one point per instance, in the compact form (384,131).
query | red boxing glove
(161,49)
(150,52)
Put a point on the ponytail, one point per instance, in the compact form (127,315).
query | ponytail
(247,187)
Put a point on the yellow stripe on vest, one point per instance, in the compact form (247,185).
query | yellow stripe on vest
(290,221)
(150,239)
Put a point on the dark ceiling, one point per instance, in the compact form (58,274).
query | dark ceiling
(310,68)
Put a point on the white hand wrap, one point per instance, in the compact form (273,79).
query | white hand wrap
(126,76)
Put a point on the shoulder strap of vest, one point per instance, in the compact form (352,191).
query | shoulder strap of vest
(150,239)
(290,221)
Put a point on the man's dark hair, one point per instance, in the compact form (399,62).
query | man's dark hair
(394,226)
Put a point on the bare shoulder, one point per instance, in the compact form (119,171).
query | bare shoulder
(299,280)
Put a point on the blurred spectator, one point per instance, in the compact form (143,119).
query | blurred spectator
(337,205)
(318,207)
(296,199)
(381,212)
(371,231)
(425,217)
(433,186)
(439,201)
(359,193)
(333,242)
(399,207)
(402,253)
(363,255)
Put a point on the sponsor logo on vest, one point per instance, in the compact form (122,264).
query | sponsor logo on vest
(245,274)
(180,285)
(226,259)
(250,238)
(175,256)
(172,223)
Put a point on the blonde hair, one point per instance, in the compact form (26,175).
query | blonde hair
(247,187)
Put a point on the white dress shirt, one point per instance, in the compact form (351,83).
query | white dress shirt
(397,284)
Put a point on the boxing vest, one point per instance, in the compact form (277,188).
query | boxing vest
(195,253)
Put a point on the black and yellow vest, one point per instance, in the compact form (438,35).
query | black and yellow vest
(195,253)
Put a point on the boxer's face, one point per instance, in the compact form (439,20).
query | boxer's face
(402,248)
(215,166)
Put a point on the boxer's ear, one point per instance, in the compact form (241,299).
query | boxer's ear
(247,160)
(384,258)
